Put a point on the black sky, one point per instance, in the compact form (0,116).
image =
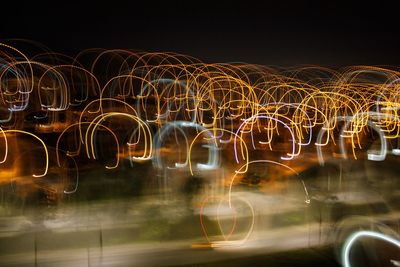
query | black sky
(265,32)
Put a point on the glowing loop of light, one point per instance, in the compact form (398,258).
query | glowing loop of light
(360,234)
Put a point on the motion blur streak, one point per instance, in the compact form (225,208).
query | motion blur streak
(122,158)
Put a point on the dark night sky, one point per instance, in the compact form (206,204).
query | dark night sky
(271,33)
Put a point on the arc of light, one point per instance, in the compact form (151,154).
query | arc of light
(24,95)
(296,106)
(158,139)
(245,153)
(371,156)
(203,228)
(57,75)
(291,155)
(92,146)
(77,179)
(227,242)
(27,60)
(100,110)
(53,68)
(327,128)
(76,173)
(44,146)
(6,146)
(169,81)
(71,155)
(360,234)
(59,138)
(99,119)
(307,198)
(212,151)
(270,134)
(318,143)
